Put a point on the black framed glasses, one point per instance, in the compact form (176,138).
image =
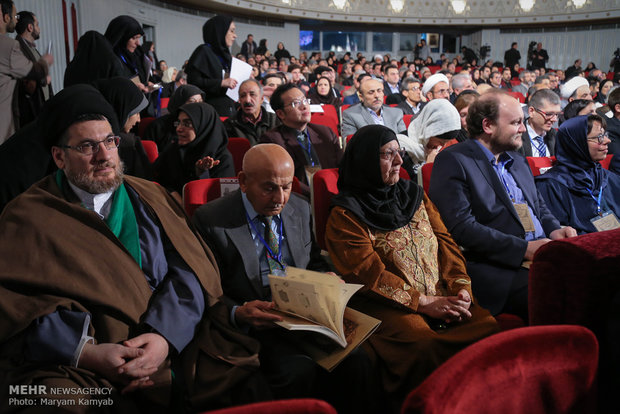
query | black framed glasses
(548,115)
(600,138)
(185,123)
(390,154)
(90,147)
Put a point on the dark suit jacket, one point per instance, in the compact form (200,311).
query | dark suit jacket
(386,89)
(223,225)
(478,213)
(235,127)
(404,106)
(324,142)
(245,46)
(30,105)
(549,139)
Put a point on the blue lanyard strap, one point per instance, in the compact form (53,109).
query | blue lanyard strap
(501,176)
(597,200)
(134,67)
(262,240)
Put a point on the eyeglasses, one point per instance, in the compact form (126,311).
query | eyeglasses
(186,123)
(299,102)
(600,138)
(92,147)
(548,115)
(390,154)
(414,88)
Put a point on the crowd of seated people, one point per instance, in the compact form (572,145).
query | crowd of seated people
(118,288)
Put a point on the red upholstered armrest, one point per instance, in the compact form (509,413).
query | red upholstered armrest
(572,280)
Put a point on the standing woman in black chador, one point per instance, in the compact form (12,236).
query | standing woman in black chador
(124,33)
(209,66)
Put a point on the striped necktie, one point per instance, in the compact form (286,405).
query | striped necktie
(540,146)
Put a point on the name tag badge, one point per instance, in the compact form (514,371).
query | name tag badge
(525,217)
(311,170)
(606,221)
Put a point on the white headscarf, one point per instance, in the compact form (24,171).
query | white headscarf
(436,118)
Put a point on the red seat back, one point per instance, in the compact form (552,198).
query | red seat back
(144,122)
(517,95)
(426,176)
(537,163)
(164,102)
(198,192)
(605,163)
(326,118)
(531,370)
(150,147)
(407,120)
(238,147)
(324,187)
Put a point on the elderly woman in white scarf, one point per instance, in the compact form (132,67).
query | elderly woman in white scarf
(436,127)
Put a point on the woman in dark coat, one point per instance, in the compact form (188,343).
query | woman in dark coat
(262,47)
(322,94)
(200,150)
(578,190)
(209,66)
(281,52)
(124,33)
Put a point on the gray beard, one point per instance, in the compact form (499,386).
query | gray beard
(82,181)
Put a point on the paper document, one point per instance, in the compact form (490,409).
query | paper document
(240,71)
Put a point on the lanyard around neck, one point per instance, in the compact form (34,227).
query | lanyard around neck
(277,258)
(597,200)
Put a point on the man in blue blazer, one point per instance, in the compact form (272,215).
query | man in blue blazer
(235,227)
(371,111)
(486,195)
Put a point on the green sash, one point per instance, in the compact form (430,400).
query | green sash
(121,220)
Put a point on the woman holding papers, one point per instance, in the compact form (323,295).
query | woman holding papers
(385,233)
(210,64)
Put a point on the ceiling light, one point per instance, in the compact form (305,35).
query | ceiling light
(579,3)
(526,5)
(397,5)
(458,6)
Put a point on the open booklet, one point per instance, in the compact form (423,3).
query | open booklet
(316,302)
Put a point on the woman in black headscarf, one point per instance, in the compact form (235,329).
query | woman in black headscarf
(209,66)
(262,48)
(578,190)
(127,101)
(386,234)
(162,130)
(281,52)
(124,34)
(200,150)
(94,59)
(322,94)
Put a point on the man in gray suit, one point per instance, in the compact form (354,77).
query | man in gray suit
(371,111)
(262,229)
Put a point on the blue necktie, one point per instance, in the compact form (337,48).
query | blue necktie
(540,147)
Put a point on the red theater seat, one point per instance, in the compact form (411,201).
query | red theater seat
(534,370)
(238,146)
(150,147)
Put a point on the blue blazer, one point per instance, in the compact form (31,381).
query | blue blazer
(480,216)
